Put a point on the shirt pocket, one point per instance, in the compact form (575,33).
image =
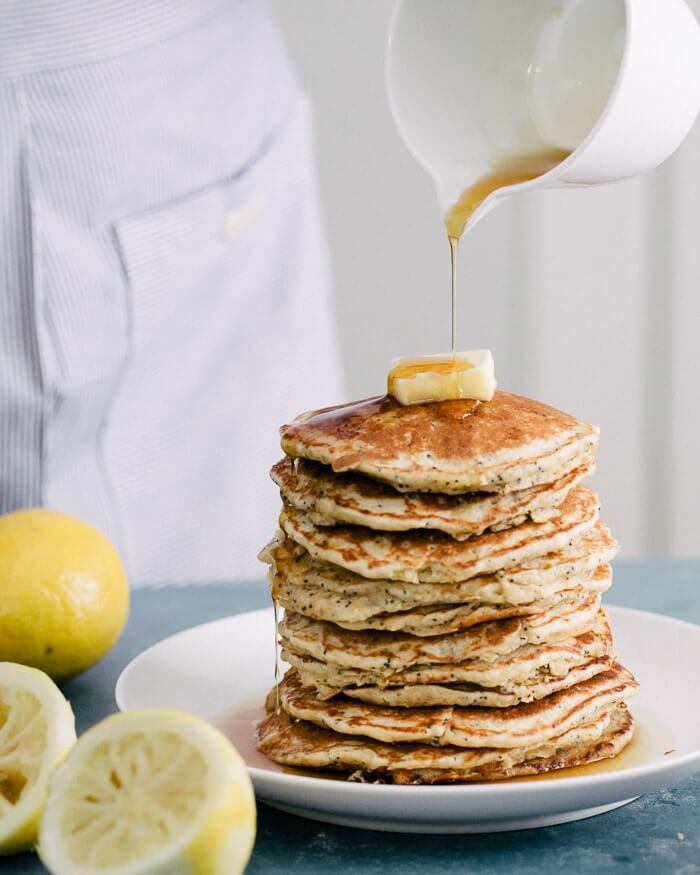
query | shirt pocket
(197,254)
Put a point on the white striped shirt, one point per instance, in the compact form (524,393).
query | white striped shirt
(164,298)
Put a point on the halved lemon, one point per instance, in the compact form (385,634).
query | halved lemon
(153,792)
(37,729)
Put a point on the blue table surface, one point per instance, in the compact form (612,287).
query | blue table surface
(658,834)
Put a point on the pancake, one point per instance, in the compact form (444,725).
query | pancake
(304,745)
(326,592)
(576,561)
(503,445)
(521,672)
(443,619)
(446,685)
(357,612)
(440,566)
(434,556)
(328,499)
(522,725)
(388,652)
(467,695)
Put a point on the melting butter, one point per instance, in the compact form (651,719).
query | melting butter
(424,379)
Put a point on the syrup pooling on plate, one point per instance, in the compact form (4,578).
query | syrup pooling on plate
(520,168)
(240,727)
(652,741)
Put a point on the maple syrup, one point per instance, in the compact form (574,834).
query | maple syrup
(520,168)
(454,243)
(240,727)
(650,741)
(277,657)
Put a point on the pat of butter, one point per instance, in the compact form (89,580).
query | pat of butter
(423,379)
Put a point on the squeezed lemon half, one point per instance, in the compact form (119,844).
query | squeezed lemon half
(152,792)
(37,728)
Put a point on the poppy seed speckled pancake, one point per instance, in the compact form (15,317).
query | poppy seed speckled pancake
(462,693)
(528,673)
(435,556)
(519,665)
(443,619)
(354,612)
(326,592)
(502,445)
(466,695)
(528,724)
(440,567)
(304,745)
(388,652)
(329,498)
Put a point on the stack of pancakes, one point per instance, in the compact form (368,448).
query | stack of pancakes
(441,567)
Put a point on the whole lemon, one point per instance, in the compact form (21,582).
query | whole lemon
(64,597)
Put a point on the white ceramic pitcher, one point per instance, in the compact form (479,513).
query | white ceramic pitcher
(476,82)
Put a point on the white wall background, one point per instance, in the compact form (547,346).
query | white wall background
(590,300)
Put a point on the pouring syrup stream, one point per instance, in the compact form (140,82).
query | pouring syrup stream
(277,657)
(519,168)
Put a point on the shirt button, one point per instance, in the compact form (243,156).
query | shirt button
(236,221)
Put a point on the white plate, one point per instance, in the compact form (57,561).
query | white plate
(222,671)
